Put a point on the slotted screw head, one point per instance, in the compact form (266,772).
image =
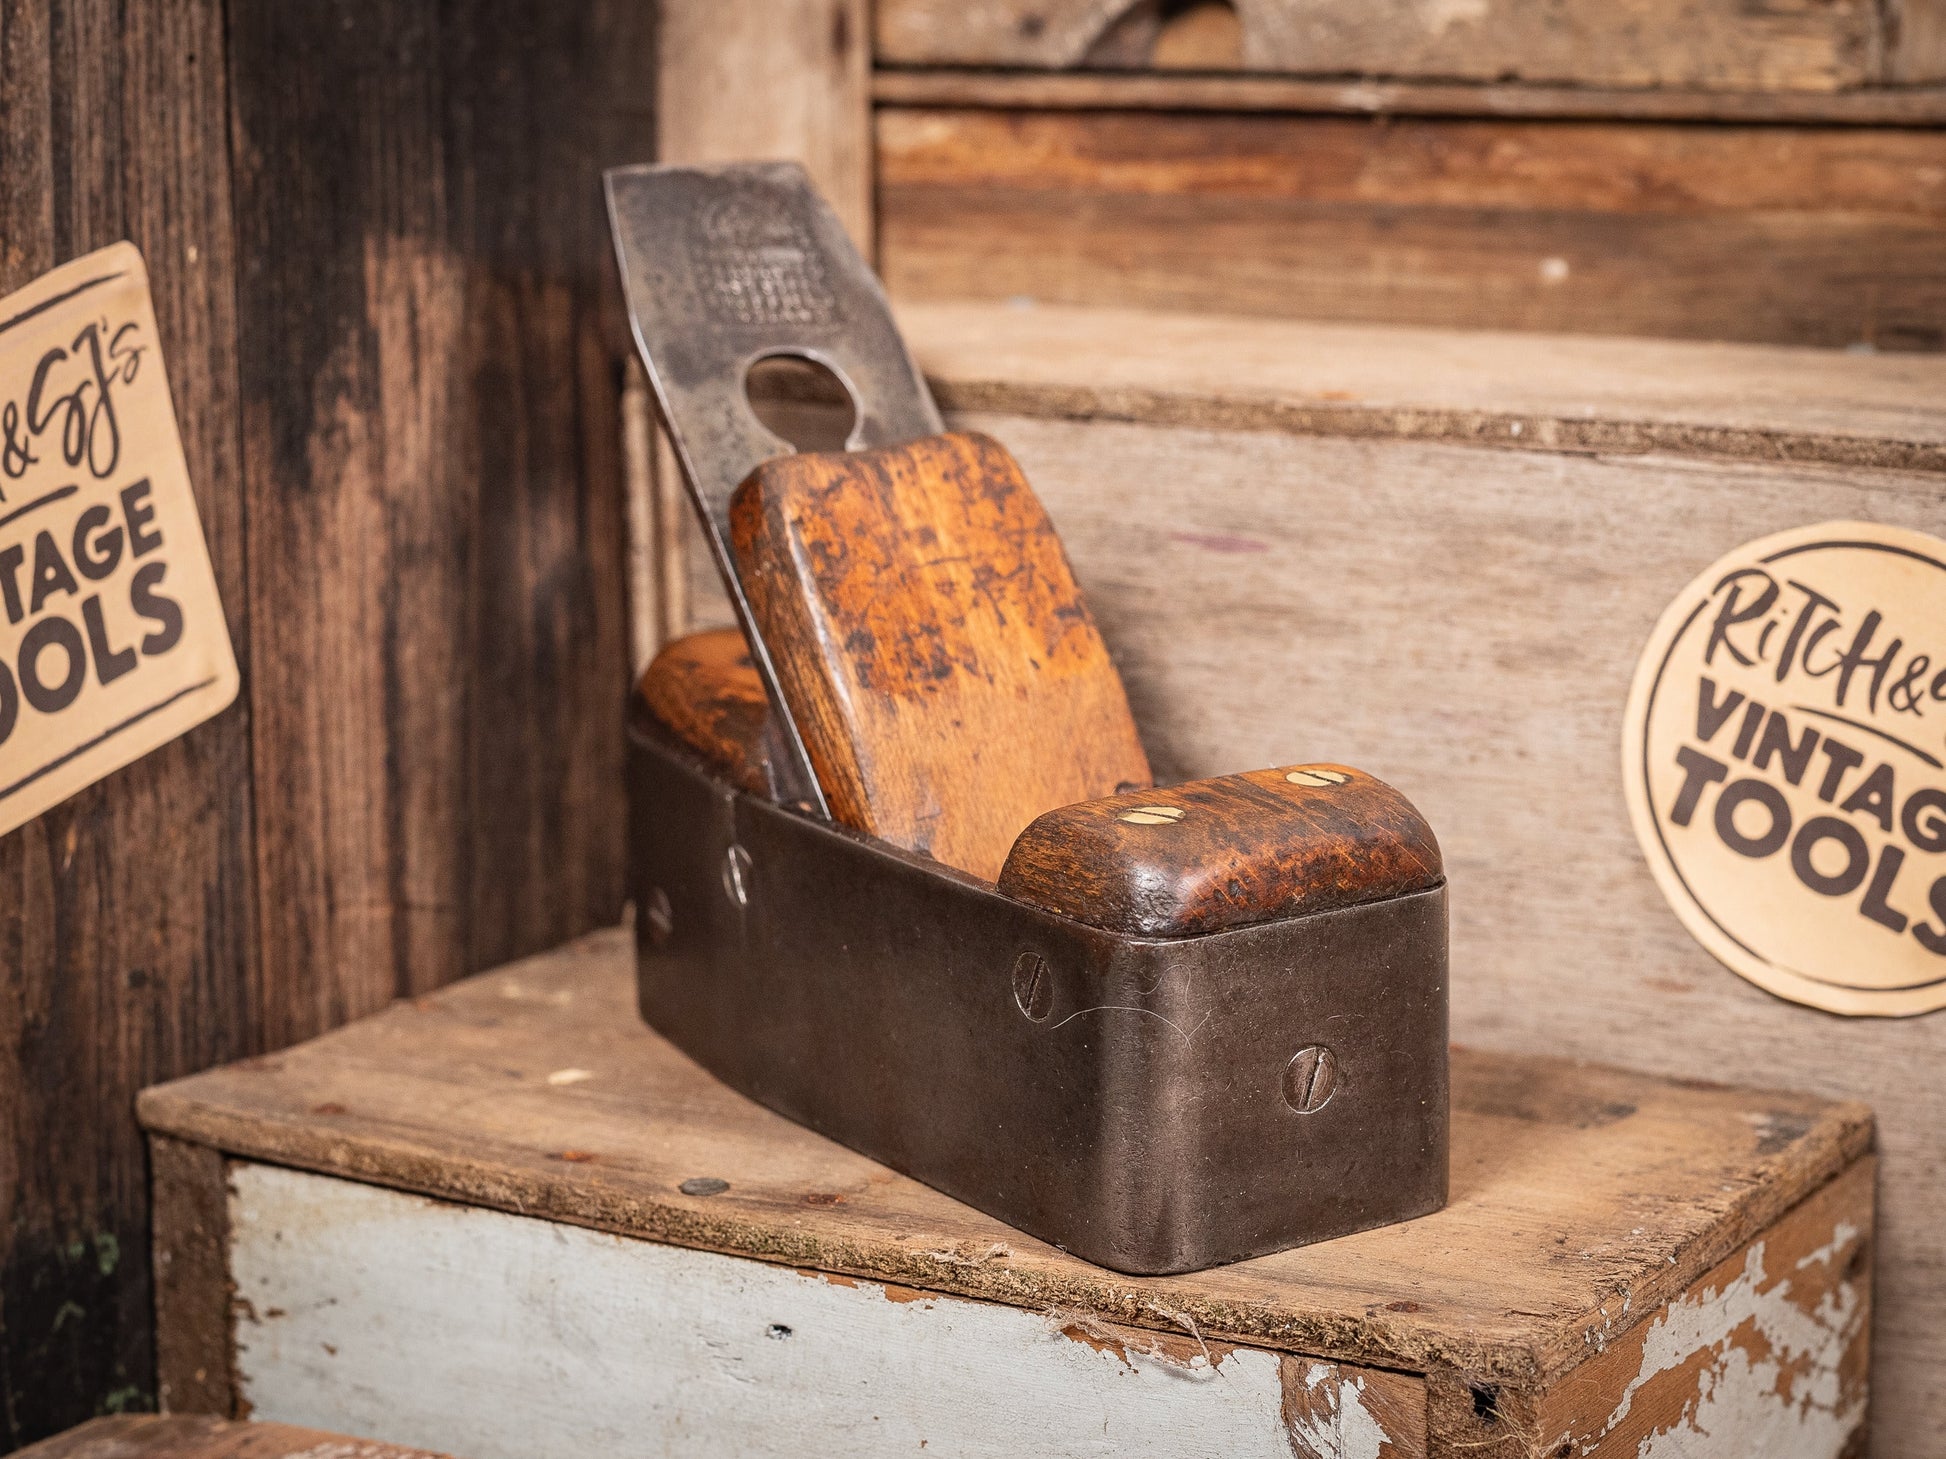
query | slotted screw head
(1033,986)
(1310,1079)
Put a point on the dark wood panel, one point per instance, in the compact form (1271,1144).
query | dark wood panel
(431,438)
(126,943)
(1788,235)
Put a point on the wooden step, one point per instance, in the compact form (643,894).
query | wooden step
(509,1219)
(194,1436)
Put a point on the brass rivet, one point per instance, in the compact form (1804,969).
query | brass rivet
(1152,815)
(1317,777)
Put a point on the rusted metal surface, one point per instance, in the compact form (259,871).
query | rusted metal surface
(1124,1098)
(724,267)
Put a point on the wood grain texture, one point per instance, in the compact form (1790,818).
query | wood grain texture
(148,1436)
(1506,1284)
(432,465)
(810,63)
(127,946)
(1181,860)
(1560,226)
(942,667)
(190,1246)
(1885,106)
(705,690)
(1585,42)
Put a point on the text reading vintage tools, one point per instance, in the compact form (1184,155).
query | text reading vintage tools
(901,870)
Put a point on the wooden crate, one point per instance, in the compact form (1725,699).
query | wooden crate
(509,1220)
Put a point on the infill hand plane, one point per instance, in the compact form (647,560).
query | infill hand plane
(900,869)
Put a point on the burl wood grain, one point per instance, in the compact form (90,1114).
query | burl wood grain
(705,690)
(944,671)
(1225,852)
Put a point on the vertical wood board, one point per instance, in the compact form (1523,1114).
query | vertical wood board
(761,80)
(432,445)
(127,945)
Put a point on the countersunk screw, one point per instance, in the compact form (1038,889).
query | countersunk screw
(1033,986)
(662,920)
(736,875)
(1311,1079)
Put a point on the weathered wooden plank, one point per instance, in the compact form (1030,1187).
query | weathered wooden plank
(1543,393)
(190,1247)
(432,447)
(743,80)
(596,1121)
(585,1342)
(127,951)
(1585,42)
(1822,236)
(148,1436)
(1886,106)
(1767,1354)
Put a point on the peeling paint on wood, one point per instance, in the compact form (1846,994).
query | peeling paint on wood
(506,1337)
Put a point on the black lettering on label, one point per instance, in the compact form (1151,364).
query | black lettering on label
(1753,716)
(97,548)
(1735,611)
(1858,859)
(138,511)
(1776,741)
(110,663)
(1711,716)
(1925,831)
(165,613)
(1873,797)
(9,703)
(1699,772)
(1842,757)
(1931,938)
(1876,904)
(51,573)
(55,632)
(11,559)
(1771,799)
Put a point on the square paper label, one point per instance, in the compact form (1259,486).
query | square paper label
(112,638)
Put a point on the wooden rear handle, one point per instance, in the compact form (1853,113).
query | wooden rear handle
(1223,853)
(929,638)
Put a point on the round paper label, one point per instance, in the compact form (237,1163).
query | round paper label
(1785,764)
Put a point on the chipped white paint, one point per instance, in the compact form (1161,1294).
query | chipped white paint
(1340,1426)
(562,1077)
(1786,1398)
(475,1332)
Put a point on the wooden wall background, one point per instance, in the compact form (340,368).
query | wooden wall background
(381,275)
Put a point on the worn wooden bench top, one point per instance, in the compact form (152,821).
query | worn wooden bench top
(1519,391)
(1580,1194)
(194,1436)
